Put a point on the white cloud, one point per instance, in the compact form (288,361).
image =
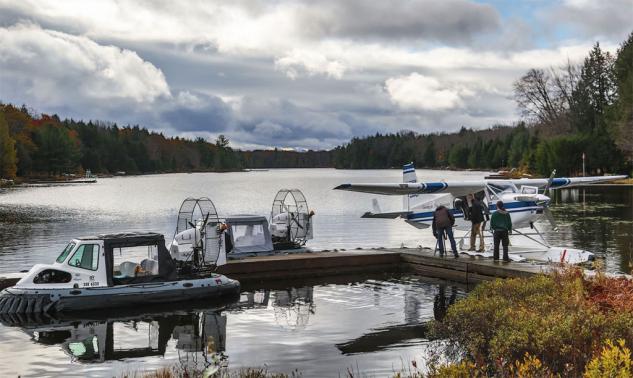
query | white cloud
(415,64)
(420,92)
(311,62)
(56,68)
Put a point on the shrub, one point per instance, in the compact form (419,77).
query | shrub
(557,322)
(614,361)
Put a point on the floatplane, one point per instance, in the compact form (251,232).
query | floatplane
(526,199)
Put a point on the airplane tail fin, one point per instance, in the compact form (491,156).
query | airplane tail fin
(408,173)
(408,176)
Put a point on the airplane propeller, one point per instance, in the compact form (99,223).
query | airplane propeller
(549,182)
(550,218)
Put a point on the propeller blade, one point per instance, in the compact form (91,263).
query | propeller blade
(550,218)
(549,182)
(192,225)
(294,219)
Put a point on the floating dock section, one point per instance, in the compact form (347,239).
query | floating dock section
(466,269)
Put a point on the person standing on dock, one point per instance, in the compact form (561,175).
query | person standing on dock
(477,219)
(501,226)
(443,222)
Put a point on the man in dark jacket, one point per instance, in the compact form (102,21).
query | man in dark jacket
(477,219)
(501,226)
(443,222)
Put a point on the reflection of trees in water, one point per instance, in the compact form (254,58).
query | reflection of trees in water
(292,307)
(599,220)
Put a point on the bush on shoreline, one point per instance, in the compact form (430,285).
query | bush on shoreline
(551,325)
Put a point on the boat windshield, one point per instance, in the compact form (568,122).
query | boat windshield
(65,252)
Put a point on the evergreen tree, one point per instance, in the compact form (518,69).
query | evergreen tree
(622,118)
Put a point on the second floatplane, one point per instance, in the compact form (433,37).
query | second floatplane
(527,201)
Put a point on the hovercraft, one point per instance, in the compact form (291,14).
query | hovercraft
(127,269)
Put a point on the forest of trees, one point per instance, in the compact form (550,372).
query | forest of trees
(568,112)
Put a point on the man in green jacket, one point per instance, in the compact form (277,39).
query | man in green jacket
(501,226)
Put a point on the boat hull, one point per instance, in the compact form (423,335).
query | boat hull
(16,300)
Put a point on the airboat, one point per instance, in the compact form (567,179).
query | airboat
(242,235)
(118,270)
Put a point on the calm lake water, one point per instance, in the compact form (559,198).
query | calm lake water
(367,324)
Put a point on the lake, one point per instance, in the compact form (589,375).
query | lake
(367,324)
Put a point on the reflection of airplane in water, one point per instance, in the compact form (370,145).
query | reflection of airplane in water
(200,335)
(416,324)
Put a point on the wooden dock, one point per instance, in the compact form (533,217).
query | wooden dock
(468,270)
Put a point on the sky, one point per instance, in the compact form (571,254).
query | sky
(292,74)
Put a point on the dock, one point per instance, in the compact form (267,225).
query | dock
(422,261)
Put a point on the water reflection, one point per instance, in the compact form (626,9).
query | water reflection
(415,326)
(199,335)
(338,322)
(596,219)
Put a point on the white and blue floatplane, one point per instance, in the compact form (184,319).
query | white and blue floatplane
(526,200)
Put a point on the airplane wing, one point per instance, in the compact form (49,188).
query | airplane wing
(455,188)
(461,188)
(564,182)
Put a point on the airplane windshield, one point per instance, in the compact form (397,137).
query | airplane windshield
(65,252)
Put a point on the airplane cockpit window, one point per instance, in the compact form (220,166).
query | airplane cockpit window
(495,189)
(529,189)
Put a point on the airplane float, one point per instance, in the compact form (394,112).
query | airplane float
(526,200)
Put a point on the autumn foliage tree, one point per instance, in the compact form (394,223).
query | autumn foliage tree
(8,167)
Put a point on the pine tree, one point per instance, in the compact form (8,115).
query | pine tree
(622,123)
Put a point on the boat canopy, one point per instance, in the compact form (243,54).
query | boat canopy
(248,234)
(166,265)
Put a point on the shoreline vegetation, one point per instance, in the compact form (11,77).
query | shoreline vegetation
(569,114)
(564,324)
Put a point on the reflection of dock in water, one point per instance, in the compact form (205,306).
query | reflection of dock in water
(384,338)
(415,327)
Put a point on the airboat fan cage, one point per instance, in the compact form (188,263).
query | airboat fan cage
(200,213)
(289,201)
(187,213)
(290,207)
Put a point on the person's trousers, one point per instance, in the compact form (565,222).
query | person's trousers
(440,239)
(500,236)
(475,231)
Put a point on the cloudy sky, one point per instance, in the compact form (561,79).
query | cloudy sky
(296,74)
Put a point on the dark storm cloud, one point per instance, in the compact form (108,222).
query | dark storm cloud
(202,113)
(448,21)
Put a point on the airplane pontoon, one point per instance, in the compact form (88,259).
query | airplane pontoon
(526,200)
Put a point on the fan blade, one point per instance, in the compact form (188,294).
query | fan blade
(550,218)
(294,219)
